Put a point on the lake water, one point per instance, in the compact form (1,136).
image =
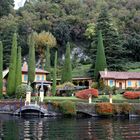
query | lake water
(15,128)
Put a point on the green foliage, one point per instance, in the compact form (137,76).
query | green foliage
(67,69)
(47,64)
(8,26)
(1,68)
(31,61)
(12,69)
(54,75)
(21,90)
(68,108)
(6,7)
(95,85)
(100,64)
(18,68)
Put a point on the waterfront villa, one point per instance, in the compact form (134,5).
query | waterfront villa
(121,80)
(40,77)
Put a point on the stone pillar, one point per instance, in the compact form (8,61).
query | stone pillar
(41,93)
(110,98)
(90,99)
(28,98)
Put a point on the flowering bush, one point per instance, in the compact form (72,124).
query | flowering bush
(104,108)
(84,94)
(113,109)
(131,95)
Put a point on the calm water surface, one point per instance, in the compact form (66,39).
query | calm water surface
(15,128)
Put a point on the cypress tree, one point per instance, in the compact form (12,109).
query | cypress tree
(47,64)
(1,68)
(18,70)
(67,68)
(12,68)
(100,63)
(54,75)
(31,61)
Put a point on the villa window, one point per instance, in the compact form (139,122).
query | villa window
(38,78)
(42,77)
(139,83)
(111,83)
(25,77)
(129,84)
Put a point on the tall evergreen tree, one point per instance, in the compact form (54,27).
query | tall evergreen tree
(18,68)
(1,67)
(67,68)
(112,41)
(54,76)
(100,63)
(47,64)
(31,61)
(12,68)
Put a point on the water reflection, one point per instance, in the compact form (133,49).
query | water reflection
(14,128)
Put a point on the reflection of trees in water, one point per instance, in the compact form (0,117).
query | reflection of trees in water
(69,129)
(10,130)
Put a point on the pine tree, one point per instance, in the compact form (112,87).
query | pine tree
(111,39)
(47,64)
(18,68)
(54,76)
(100,63)
(12,68)
(31,61)
(1,68)
(67,68)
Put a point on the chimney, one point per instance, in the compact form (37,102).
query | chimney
(105,71)
(25,65)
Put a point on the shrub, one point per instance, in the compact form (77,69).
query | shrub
(104,98)
(131,95)
(68,108)
(129,89)
(84,94)
(122,108)
(104,108)
(22,89)
(125,108)
(94,85)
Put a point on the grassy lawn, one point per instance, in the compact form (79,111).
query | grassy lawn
(134,70)
(102,98)
(60,99)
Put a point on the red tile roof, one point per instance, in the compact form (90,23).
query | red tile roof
(119,75)
(25,69)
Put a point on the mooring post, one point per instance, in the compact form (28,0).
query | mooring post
(20,105)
